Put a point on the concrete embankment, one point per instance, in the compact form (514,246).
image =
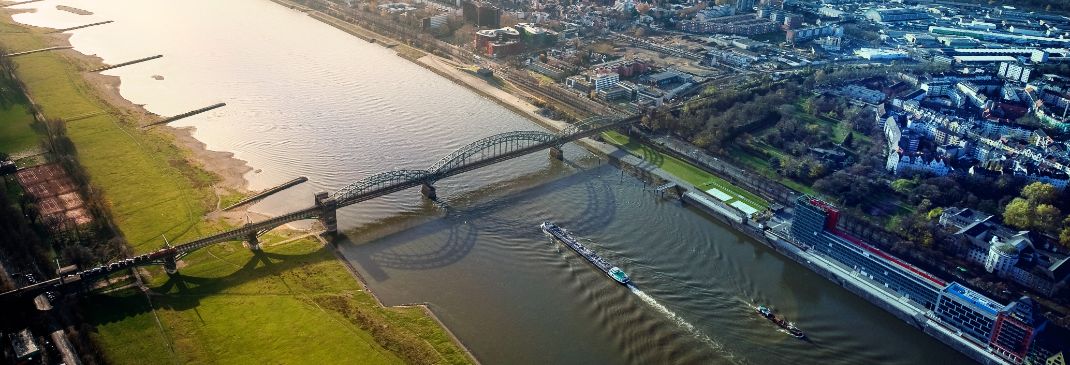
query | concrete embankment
(127,63)
(853,282)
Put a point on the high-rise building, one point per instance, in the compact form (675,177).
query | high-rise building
(1014,332)
(968,311)
(482,14)
(1015,329)
(815,225)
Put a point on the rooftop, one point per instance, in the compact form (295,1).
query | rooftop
(976,299)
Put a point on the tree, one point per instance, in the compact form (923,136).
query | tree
(1064,236)
(1018,214)
(1033,210)
(1046,217)
(849,141)
(904,186)
(1039,193)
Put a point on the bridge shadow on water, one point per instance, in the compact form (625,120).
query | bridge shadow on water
(183,292)
(464,223)
(467,216)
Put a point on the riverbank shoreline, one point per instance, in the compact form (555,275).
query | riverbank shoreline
(229,169)
(227,172)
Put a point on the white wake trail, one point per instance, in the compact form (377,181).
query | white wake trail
(675,318)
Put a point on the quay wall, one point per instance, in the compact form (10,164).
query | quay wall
(915,317)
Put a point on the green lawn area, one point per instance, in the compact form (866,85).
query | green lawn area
(294,304)
(684,170)
(16,128)
(756,163)
(283,306)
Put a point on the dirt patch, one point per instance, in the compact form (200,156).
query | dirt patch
(52,190)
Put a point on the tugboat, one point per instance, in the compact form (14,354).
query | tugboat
(781,322)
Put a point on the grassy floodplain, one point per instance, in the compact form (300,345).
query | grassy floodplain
(293,303)
(17,134)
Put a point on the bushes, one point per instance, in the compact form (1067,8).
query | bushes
(410,348)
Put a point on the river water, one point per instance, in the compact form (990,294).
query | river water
(306,99)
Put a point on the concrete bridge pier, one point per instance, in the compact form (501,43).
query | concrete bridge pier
(329,216)
(556,153)
(254,241)
(428,191)
(170,265)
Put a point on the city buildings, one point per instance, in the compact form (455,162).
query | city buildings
(815,225)
(895,15)
(738,24)
(498,42)
(603,80)
(805,34)
(1014,332)
(1008,253)
(999,37)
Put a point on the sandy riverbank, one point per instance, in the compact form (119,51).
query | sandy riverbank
(231,171)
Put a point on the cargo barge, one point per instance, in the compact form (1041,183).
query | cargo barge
(565,237)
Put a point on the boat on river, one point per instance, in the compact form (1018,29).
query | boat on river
(565,237)
(780,321)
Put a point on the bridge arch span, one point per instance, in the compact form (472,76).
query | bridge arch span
(584,125)
(490,147)
(379,181)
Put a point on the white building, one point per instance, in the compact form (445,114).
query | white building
(604,80)
(1007,253)
(875,54)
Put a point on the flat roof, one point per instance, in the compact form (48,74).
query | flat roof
(985,59)
(978,300)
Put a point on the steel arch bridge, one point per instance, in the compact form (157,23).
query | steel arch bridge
(484,152)
(490,147)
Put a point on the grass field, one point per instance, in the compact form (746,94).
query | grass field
(17,132)
(294,304)
(235,307)
(684,170)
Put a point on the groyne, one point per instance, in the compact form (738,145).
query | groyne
(185,115)
(36,50)
(127,63)
(82,26)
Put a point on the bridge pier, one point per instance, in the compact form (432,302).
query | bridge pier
(556,153)
(329,216)
(253,241)
(428,191)
(170,264)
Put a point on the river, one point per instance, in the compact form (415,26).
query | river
(306,99)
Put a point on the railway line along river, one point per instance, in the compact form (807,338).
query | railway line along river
(305,99)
